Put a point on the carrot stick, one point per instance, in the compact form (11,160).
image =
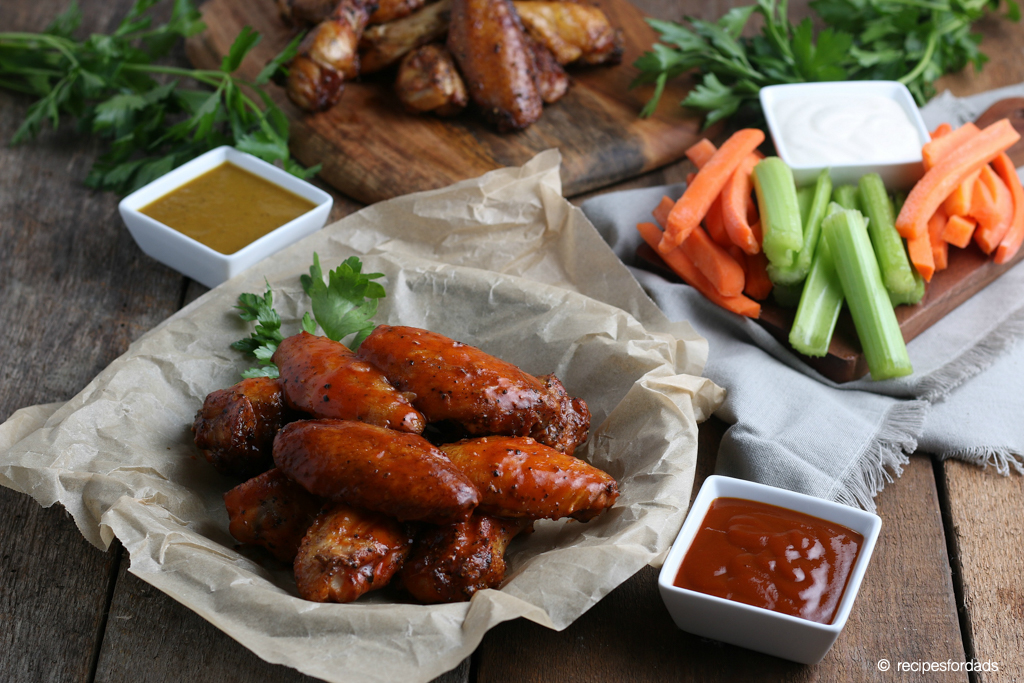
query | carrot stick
(958,203)
(715,225)
(684,268)
(695,202)
(920,251)
(952,170)
(758,285)
(940,248)
(942,129)
(714,262)
(737,255)
(662,210)
(958,231)
(992,207)
(701,152)
(933,152)
(689,178)
(1015,235)
(735,197)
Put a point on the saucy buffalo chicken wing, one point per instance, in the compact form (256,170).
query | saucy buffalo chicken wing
(401,475)
(325,379)
(235,428)
(518,477)
(271,511)
(485,395)
(451,563)
(348,552)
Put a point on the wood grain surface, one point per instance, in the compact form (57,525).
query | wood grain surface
(372,149)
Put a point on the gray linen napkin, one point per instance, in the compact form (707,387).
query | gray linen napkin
(795,429)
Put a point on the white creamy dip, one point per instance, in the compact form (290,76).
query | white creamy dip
(845,129)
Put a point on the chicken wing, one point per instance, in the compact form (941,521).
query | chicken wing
(348,552)
(399,474)
(489,45)
(391,10)
(235,428)
(327,56)
(551,79)
(271,511)
(572,31)
(385,44)
(323,378)
(428,82)
(451,563)
(486,395)
(518,477)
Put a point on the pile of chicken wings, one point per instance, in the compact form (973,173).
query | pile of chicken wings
(507,57)
(415,459)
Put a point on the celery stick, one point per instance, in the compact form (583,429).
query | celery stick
(888,245)
(783,234)
(820,303)
(879,333)
(816,200)
(847,197)
(914,296)
(788,296)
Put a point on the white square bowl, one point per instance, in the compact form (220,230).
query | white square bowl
(897,174)
(198,261)
(756,628)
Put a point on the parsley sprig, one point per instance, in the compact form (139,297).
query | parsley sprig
(114,87)
(343,306)
(911,41)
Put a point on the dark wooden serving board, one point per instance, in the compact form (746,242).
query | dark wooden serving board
(371,149)
(969,271)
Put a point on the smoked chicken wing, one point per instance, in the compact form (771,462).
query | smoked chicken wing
(401,475)
(385,44)
(518,477)
(551,79)
(348,552)
(235,428)
(271,511)
(490,47)
(325,379)
(450,563)
(428,82)
(485,395)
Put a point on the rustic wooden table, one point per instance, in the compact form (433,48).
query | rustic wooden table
(945,582)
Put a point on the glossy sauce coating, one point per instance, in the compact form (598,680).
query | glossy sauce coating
(518,477)
(771,557)
(349,552)
(271,511)
(484,394)
(401,475)
(323,378)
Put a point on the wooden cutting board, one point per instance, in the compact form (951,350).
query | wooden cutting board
(371,149)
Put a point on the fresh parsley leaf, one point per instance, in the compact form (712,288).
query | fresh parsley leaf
(244,42)
(347,302)
(264,340)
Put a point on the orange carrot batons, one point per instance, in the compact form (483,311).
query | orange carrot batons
(695,202)
(940,130)
(920,251)
(758,285)
(1011,241)
(958,203)
(992,207)
(662,210)
(933,152)
(958,231)
(716,225)
(735,200)
(714,262)
(940,248)
(953,169)
(701,152)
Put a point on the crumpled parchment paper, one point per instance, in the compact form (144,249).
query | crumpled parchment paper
(502,262)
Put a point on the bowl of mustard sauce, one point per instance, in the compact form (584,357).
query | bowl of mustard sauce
(222,212)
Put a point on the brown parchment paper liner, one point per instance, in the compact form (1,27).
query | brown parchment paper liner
(502,262)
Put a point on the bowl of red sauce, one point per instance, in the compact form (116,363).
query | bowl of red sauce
(767,569)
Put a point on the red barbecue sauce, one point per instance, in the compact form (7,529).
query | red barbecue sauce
(771,557)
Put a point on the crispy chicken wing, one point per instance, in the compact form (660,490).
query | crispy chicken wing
(327,56)
(572,31)
(379,469)
(385,44)
(271,511)
(348,552)
(489,45)
(451,563)
(428,82)
(325,379)
(235,428)
(391,10)
(551,79)
(486,395)
(518,477)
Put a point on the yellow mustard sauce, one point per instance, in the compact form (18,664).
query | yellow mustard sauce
(227,208)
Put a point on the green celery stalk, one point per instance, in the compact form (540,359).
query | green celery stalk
(816,200)
(847,197)
(873,316)
(820,303)
(914,296)
(782,232)
(890,253)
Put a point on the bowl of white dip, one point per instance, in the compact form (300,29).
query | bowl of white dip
(851,128)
